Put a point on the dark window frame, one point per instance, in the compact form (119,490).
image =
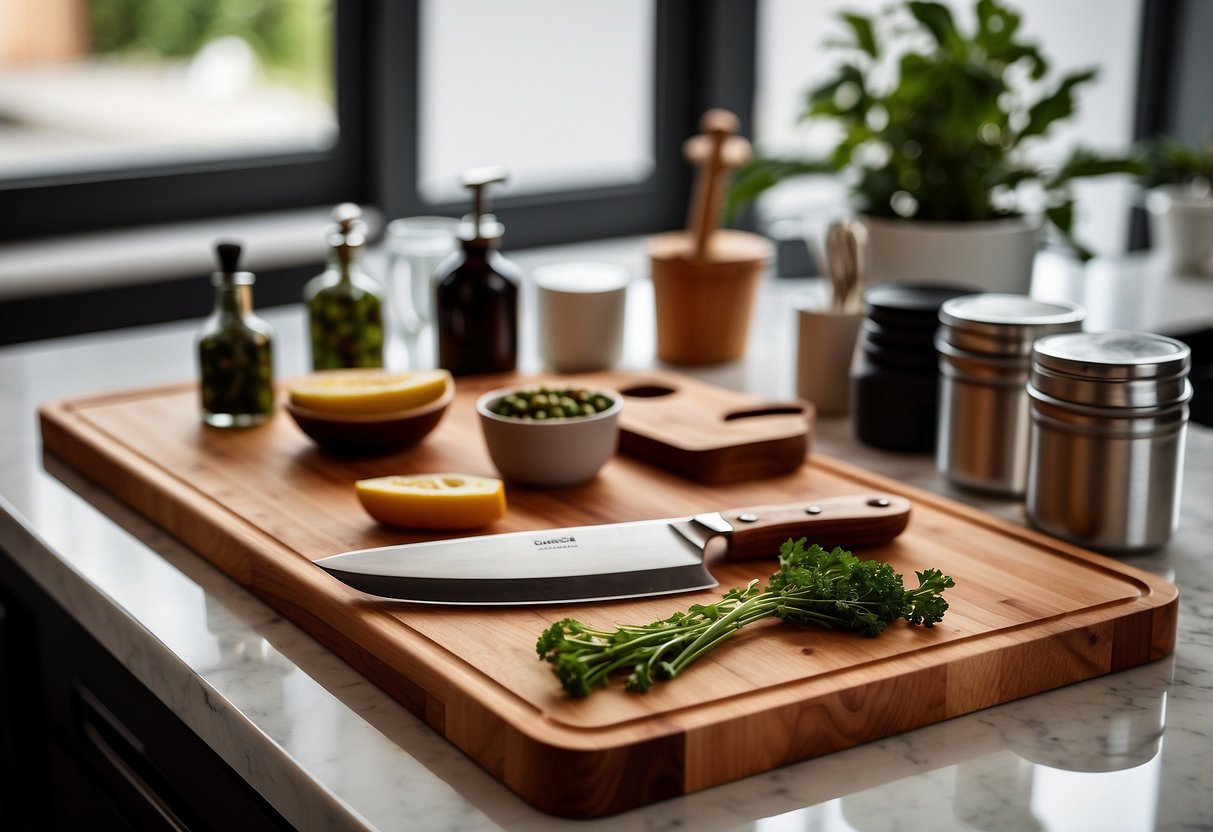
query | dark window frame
(704,57)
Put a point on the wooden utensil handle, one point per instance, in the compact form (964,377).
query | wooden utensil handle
(850,522)
(714,151)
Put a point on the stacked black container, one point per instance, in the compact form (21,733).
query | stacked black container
(895,378)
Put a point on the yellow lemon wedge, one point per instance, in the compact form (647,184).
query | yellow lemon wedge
(433,501)
(368,391)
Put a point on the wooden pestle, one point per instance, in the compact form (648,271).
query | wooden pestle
(714,152)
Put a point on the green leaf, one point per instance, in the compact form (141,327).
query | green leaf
(1164,161)
(916,82)
(823,99)
(997,26)
(1010,177)
(865,36)
(856,136)
(1057,106)
(1062,216)
(1083,163)
(937,20)
(760,174)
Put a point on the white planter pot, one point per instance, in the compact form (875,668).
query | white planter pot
(994,256)
(1181,224)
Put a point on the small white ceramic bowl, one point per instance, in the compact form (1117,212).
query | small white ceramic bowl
(551,453)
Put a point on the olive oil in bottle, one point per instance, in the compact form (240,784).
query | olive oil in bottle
(235,350)
(477,292)
(345,305)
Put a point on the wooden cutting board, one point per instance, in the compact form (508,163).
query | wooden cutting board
(1028,613)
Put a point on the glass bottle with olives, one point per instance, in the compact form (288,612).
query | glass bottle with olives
(235,350)
(344,304)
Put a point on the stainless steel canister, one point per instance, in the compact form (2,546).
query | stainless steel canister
(984,344)
(1109,419)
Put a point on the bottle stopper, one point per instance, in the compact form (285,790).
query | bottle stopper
(228,253)
(348,228)
(484,226)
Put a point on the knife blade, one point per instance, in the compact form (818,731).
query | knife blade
(611,561)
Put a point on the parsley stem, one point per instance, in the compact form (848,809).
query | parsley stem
(827,589)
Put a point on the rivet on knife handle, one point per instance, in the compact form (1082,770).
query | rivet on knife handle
(852,522)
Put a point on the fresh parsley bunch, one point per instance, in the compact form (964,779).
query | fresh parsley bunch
(831,589)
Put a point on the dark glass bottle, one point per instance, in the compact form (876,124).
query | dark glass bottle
(477,293)
(235,350)
(344,304)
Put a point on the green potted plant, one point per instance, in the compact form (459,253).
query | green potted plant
(934,124)
(1178,184)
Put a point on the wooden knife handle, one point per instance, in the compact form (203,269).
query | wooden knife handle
(850,522)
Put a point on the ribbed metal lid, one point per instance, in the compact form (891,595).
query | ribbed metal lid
(1117,368)
(1004,325)
(1114,355)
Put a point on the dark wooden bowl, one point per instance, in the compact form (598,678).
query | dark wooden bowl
(376,433)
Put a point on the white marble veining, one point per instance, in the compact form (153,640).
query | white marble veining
(1130,751)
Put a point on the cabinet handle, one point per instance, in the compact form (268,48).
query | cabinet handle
(115,743)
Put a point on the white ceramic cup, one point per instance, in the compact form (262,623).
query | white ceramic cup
(1181,223)
(825,346)
(580,309)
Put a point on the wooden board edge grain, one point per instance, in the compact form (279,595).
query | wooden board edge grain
(772,727)
(585,779)
(813,726)
(942,687)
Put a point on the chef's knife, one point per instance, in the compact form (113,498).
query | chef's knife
(608,562)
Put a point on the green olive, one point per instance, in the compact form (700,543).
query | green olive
(546,403)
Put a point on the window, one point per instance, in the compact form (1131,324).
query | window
(115,84)
(586,103)
(560,93)
(406,75)
(124,112)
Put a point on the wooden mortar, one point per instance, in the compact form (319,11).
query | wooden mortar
(705,278)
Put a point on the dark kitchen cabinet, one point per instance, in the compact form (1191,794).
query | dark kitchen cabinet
(87,746)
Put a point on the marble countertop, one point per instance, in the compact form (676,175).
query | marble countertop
(1129,751)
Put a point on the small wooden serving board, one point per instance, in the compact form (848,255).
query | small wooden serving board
(707,433)
(1028,613)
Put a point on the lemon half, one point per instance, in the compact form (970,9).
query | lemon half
(368,391)
(433,501)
